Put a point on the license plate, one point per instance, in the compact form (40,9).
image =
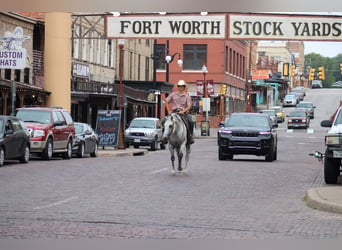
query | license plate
(337,154)
(136,140)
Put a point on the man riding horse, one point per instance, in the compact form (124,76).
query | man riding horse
(181,103)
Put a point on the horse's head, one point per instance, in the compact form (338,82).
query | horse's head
(167,127)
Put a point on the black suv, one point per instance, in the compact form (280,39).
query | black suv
(248,134)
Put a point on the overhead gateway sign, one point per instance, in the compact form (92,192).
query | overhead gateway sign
(284,27)
(185,26)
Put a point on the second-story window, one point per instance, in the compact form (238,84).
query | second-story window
(159,54)
(194,56)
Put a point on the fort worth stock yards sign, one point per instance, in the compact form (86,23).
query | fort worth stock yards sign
(230,26)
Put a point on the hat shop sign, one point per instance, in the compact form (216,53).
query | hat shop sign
(12,54)
(227,26)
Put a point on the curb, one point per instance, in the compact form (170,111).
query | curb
(315,199)
(124,152)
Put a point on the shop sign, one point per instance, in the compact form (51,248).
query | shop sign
(284,27)
(12,54)
(81,70)
(200,87)
(168,26)
(260,74)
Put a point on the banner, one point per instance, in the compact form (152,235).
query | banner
(170,26)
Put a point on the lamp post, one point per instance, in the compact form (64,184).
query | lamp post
(206,100)
(121,144)
(249,80)
(169,59)
(121,43)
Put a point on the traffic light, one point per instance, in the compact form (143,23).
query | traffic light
(341,68)
(321,74)
(223,89)
(292,70)
(286,69)
(312,74)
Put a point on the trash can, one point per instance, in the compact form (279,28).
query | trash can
(205,128)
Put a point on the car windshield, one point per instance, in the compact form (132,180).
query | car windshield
(297,114)
(304,105)
(142,124)
(39,116)
(78,128)
(247,121)
(289,97)
(338,119)
(269,112)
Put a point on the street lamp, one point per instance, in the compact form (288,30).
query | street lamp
(205,71)
(121,144)
(121,43)
(169,59)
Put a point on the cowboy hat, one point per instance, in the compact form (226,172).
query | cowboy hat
(181,83)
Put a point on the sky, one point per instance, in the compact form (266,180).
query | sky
(326,49)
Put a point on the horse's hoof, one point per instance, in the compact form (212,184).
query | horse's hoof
(173,172)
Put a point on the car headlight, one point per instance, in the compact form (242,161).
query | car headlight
(333,139)
(38,133)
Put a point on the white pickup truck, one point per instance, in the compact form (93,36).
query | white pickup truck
(333,152)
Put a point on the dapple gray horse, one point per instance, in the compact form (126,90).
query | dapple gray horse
(175,133)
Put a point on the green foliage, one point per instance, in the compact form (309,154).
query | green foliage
(331,66)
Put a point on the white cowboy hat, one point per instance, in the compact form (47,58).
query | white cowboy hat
(181,83)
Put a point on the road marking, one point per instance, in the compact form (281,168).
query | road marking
(289,131)
(57,203)
(160,170)
(310,131)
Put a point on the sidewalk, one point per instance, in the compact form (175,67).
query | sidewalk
(327,199)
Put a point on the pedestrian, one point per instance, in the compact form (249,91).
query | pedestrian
(181,103)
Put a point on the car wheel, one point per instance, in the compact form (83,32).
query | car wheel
(80,151)
(136,146)
(95,152)
(26,157)
(154,145)
(270,156)
(67,155)
(162,146)
(48,150)
(2,156)
(222,156)
(331,170)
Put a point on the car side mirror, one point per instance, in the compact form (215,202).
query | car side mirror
(326,123)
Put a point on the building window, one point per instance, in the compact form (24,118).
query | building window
(17,75)
(26,75)
(8,74)
(159,54)
(147,69)
(195,55)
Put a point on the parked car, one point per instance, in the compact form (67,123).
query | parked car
(299,93)
(280,113)
(14,140)
(333,152)
(309,106)
(337,84)
(144,131)
(316,84)
(298,119)
(301,88)
(247,134)
(51,129)
(290,100)
(86,140)
(273,116)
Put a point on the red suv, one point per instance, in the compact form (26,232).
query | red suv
(51,129)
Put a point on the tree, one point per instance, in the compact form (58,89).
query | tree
(331,66)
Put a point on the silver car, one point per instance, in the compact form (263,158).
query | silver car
(144,131)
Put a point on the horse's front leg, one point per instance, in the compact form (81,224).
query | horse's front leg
(187,156)
(180,157)
(172,158)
